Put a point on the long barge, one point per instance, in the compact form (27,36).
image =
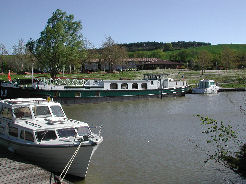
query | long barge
(81,90)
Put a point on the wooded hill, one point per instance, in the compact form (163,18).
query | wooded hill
(149,46)
(216,56)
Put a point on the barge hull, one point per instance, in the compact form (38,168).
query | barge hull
(88,96)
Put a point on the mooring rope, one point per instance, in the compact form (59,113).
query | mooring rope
(67,167)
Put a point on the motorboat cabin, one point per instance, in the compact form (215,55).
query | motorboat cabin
(206,87)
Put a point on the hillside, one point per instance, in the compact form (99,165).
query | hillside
(214,49)
(182,55)
(150,46)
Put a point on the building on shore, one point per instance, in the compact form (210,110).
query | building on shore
(132,64)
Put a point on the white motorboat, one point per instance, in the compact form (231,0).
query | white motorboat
(39,130)
(206,87)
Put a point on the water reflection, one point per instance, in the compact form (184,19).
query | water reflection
(157,141)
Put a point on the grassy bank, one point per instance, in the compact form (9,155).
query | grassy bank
(225,78)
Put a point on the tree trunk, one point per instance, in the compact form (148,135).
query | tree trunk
(83,68)
(53,73)
(99,66)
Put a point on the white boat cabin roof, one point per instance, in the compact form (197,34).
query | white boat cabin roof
(36,114)
(206,80)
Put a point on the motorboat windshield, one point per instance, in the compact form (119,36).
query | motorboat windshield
(41,111)
(68,132)
(22,113)
(57,111)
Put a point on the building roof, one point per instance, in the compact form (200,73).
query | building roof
(161,62)
(144,61)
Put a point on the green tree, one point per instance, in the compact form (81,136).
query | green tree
(183,56)
(228,57)
(22,59)
(3,51)
(60,44)
(112,54)
(204,59)
(167,47)
(220,136)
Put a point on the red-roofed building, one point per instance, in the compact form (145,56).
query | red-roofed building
(134,63)
(161,64)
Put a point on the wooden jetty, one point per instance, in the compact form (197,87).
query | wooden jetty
(14,169)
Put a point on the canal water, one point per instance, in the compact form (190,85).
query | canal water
(159,141)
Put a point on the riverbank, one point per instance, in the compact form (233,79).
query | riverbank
(224,78)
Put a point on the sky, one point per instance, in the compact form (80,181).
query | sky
(128,21)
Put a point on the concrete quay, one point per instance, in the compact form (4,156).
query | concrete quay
(15,170)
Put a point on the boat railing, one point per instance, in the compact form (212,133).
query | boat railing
(61,82)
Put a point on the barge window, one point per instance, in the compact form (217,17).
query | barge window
(46,135)
(134,86)
(57,111)
(77,94)
(13,131)
(113,86)
(7,113)
(41,111)
(144,85)
(69,132)
(124,86)
(22,112)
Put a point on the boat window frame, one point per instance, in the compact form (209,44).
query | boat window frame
(45,131)
(22,136)
(60,109)
(113,85)
(124,85)
(83,133)
(34,109)
(134,85)
(77,94)
(144,85)
(212,83)
(23,117)
(8,114)
(12,133)
(30,133)
(207,85)
(62,129)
